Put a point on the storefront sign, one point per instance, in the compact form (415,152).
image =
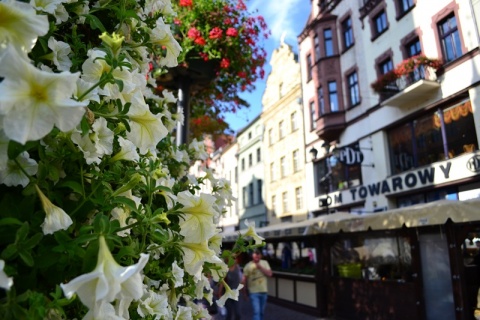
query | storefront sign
(349,156)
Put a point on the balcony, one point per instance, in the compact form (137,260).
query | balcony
(331,125)
(368,6)
(413,78)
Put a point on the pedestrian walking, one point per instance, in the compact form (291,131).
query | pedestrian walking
(255,275)
(233,279)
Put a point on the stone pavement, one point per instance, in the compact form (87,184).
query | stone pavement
(272,312)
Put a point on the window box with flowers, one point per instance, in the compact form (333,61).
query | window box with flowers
(405,74)
(227,38)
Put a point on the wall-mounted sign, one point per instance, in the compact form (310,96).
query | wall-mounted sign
(349,156)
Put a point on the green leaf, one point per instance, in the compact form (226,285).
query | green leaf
(26,257)
(9,252)
(86,238)
(22,232)
(10,221)
(95,23)
(73,185)
(101,224)
(33,241)
(84,126)
(119,84)
(129,203)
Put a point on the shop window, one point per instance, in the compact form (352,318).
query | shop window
(373,258)
(420,142)
(450,38)
(292,257)
(332,175)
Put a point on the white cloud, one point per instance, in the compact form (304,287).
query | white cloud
(283,17)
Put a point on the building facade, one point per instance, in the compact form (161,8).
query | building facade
(251,186)
(284,139)
(391,103)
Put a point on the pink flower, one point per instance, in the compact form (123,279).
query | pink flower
(186,3)
(200,41)
(215,33)
(232,32)
(224,63)
(193,33)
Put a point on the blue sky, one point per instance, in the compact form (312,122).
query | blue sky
(286,17)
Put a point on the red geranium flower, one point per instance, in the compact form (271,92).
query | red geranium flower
(186,3)
(193,33)
(215,33)
(232,32)
(225,63)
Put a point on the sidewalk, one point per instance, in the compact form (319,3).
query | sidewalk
(272,312)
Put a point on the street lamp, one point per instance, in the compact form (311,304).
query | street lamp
(313,153)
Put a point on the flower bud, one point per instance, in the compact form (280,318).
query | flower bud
(114,42)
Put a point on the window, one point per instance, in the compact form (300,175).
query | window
(327,38)
(317,47)
(284,202)
(283,167)
(259,155)
(347,33)
(450,39)
(295,160)
(298,198)
(236,174)
(413,48)
(250,194)
(405,6)
(386,66)
(353,89)
(332,95)
(280,89)
(250,160)
(309,67)
(270,136)
(313,122)
(420,142)
(274,205)
(294,121)
(250,135)
(281,129)
(380,23)
(321,100)
(259,191)
(272,171)
(243,164)
(245,197)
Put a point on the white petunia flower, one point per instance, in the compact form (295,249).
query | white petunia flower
(102,136)
(108,281)
(178,274)
(184,313)
(12,175)
(196,223)
(86,145)
(5,281)
(33,101)
(162,36)
(229,294)
(48,6)
(55,219)
(199,149)
(169,196)
(20,26)
(82,87)
(103,310)
(3,150)
(195,255)
(60,50)
(252,233)
(127,152)
(160,6)
(154,304)
(147,129)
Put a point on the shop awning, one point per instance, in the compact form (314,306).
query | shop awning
(432,213)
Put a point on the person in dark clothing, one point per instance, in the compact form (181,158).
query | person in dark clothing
(233,280)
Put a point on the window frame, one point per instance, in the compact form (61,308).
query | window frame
(309,63)
(298,198)
(333,94)
(456,42)
(347,33)
(353,89)
(328,42)
(281,130)
(313,114)
(294,121)
(296,160)
(285,202)
(283,167)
